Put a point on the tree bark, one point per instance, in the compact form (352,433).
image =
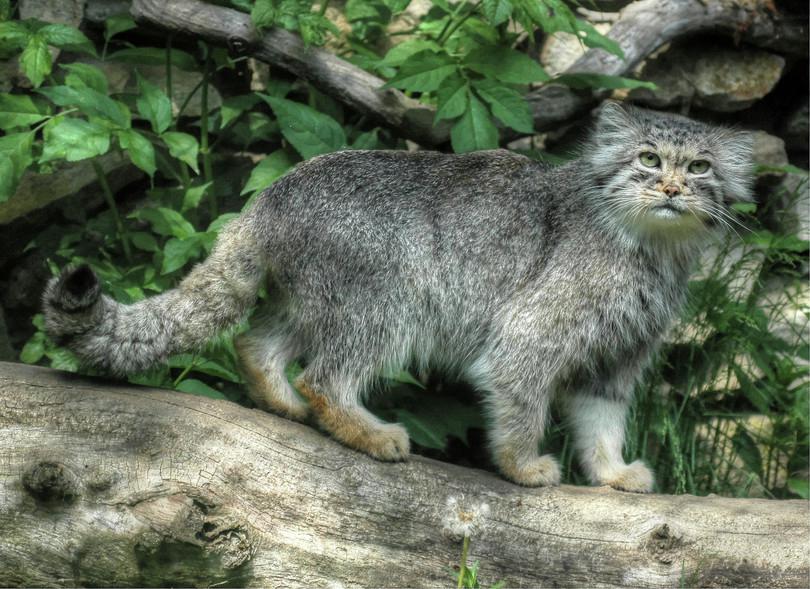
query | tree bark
(107,484)
(642,27)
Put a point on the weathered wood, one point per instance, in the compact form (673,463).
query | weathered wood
(39,190)
(334,76)
(642,27)
(108,484)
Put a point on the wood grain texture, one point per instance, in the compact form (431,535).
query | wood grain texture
(643,26)
(108,484)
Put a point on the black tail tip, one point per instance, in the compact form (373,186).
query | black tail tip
(79,282)
(76,289)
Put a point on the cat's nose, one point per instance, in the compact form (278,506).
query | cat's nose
(672,190)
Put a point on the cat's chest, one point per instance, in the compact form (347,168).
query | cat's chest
(629,302)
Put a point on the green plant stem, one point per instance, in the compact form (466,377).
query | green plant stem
(462,570)
(186,370)
(450,20)
(169,92)
(322,11)
(454,23)
(208,172)
(108,196)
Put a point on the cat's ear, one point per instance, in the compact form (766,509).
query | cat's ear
(613,117)
(736,160)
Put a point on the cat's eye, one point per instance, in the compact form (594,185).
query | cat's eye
(649,159)
(698,166)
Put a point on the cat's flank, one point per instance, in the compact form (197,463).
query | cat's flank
(531,282)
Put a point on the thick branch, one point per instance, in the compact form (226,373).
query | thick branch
(643,26)
(332,75)
(105,484)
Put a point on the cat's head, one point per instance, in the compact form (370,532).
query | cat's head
(666,176)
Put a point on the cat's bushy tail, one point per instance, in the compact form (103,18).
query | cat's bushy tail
(121,338)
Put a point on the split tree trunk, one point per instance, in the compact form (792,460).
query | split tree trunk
(106,484)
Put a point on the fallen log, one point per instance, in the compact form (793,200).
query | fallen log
(642,27)
(108,484)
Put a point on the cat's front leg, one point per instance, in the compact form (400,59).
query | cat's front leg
(518,409)
(598,422)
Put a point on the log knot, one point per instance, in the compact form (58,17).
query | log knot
(239,46)
(663,543)
(51,482)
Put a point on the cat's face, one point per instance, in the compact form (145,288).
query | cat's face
(667,176)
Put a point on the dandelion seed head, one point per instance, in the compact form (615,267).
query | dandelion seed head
(464,517)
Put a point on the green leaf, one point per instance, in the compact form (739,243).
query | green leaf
(5,10)
(35,60)
(178,252)
(144,241)
(474,130)
(396,6)
(13,35)
(505,64)
(593,38)
(154,105)
(497,11)
(234,106)
(263,14)
(66,37)
(400,53)
(74,140)
(423,72)
(507,105)
(405,377)
(218,223)
(193,196)
(579,81)
(15,150)
(63,359)
(154,56)
(206,366)
(745,207)
(451,98)
(800,487)
(8,184)
(82,75)
(197,387)
(748,451)
(139,149)
(361,10)
(367,140)
(268,171)
(184,147)
(20,110)
(118,23)
(311,133)
(165,222)
(34,349)
(90,102)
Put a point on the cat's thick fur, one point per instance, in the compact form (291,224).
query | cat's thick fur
(527,280)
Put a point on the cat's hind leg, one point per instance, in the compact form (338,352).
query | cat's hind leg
(598,422)
(334,396)
(264,353)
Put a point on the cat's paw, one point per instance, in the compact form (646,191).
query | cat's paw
(388,442)
(634,478)
(542,471)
